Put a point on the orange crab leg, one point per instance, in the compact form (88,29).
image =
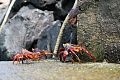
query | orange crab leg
(71,49)
(85,50)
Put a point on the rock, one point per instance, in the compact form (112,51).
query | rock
(3,7)
(29,27)
(4,3)
(42,3)
(36,3)
(69,35)
(26,27)
(99,25)
(60,7)
(112,52)
(48,37)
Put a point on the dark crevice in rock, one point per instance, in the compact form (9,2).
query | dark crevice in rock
(62,9)
(33,45)
(97,0)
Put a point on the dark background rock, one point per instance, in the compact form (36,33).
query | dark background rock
(26,27)
(48,37)
(69,35)
(60,8)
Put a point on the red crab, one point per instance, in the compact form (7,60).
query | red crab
(71,51)
(30,56)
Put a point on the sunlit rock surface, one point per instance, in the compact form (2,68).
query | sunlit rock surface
(54,70)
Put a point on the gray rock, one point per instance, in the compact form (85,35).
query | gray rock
(60,7)
(30,28)
(48,37)
(3,7)
(27,26)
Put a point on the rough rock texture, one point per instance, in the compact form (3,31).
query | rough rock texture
(3,7)
(47,39)
(29,27)
(55,70)
(69,34)
(24,29)
(99,28)
(60,7)
(37,3)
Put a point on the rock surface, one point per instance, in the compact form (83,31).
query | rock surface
(28,26)
(50,70)
(60,7)
(33,26)
(99,28)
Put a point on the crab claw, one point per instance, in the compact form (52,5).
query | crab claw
(65,55)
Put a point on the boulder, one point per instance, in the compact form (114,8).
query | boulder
(27,27)
(99,28)
(59,7)
(34,24)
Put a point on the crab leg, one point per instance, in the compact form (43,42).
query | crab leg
(89,54)
(74,54)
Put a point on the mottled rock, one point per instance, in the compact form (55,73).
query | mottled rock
(30,27)
(48,37)
(99,26)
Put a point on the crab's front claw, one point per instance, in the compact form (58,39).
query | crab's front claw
(65,55)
